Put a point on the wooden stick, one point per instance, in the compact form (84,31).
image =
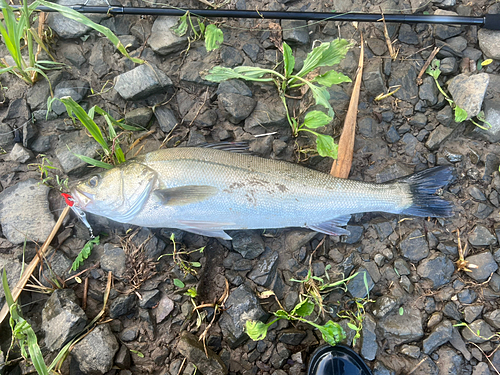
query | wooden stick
(342,166)
(16,291)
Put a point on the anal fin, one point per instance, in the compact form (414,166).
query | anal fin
(331,227)
(206,228)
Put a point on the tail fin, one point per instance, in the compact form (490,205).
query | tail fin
(423,187)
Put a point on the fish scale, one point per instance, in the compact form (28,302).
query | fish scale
(207,191)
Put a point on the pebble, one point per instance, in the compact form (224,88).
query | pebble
(443,31)
(164,308)
(437,137)
(476,193)
(481,236)
(247,243)
(428,91)
(449,361)
(485,263)
(121,305)
(357,287)
(471,313)
(19,154)
(483,211)
(470,333)
(166,118)
(493,318)
(414,246)
(467,296)
(489,40)
(264,271)
(139,117)
(163,41)
(205,360)
(468,92)
(400,329)
(440,335)
(142,82)
(114,259)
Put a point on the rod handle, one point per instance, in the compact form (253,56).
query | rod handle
(492,21)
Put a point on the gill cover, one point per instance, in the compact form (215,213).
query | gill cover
(119,193)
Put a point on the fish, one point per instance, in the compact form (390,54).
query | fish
(209,190)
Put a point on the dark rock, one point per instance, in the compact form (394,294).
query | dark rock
(265,270)
(130,42)
(358,287)
(355,236)
(234,86)
(468,92)
(252,50)
(190,72)
(472,312)
(95,352)
(384,229)
(295,31)
(122,359)
(491,164)
(414,246)
(477,332)
(292,336)
(56,266)
(404,74)
(121,306)
(369,344)
(440,335)
(467,296)
(451,310)
(407,34)
(437,137)
(402,267)
(495,282)
(96,59)
(392,172)
(458,343)
(150,299)
(25,212)
(230,56)
(485,263)
(448,65)
(481,236)
(445,116)
(75,143)
(164,308)
(7,135)
(483,211)
(419,120)
(76,89)
(476,193)
(392,135)
(74,54)
(443,31)
(142,82)
(492,115)
(373,78)
(367,127)
(266,115)
(383,306)
(62,318)
(243,305)
(114,259)
(236,107)
(400,329)
(195,138)
(377,46)
(203,358)
(248,243)
(139,117)
(162,40)
(412,351)
(449,361)
(38,94)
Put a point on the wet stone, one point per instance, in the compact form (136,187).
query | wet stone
(402,267)
(428,91)
(485,263)
(295,32)
(142,82)
(369,344)
(400,329)
(162,40)
(451,310)
(357,287)
(373,78)
(483,211)
(470,333)
(434,319)
(468,92)
(139,116)
(467,296)
(205,360)
(265,270)
(415,247)
(440,335)
(247,243)
(437,137)
(383,306)
(355,236)
(121,306)
(472,312)
(481,236)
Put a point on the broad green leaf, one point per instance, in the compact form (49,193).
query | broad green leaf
(322,96)
(249,73)
(288,60)
(326,54)
(460,114)
(326,146)
(213,37)
(316,119)
(179,284)
(181,27)
(282,314)
(332,333)
(352,326)
(304,308)
(256,330)
(95,163)
(433,69)
(331,78)
(196,264)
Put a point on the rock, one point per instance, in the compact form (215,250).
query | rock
(357,287)
(489,40)
(13,268)
(477,332)
(440,335)
(7,135)
(243,305)
(384,229)
(25,212)
(419,120)
(443,31)
(467,296)
(114,259)
(266,115)
(121,305)
(383,306)
(95,352)
(355,236)
(377,46)
(150,299)
(74,54)
(477,194)
(295,32)
(130,42)
(481,369)
(252,50)
(407,35)
(162,40)
(122,359)
(142,82)
(234,86)
(19,154)
(495,282)
(437,137)
(248,243)
(75,143)
(451,310)
(190,73)
(468,92)
(369,344)
(492,115)
(265,270)
(412,351)
(62,318)
(140,117)
(392,135)
(404,74)
(472,312)
(485,263)
(292,336)
(236,107)
(373,77)
(448,66)
(483,211)
(428,91)
(165,307)
(230,56)
(414,246)
(438,268)
(449,362)
(56,266)
(129,334)
(458,343)
(38,94)
(96,59)
(203,358)
(400,329)
(76,89)
(493,318)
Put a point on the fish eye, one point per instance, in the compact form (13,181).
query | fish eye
(93,182)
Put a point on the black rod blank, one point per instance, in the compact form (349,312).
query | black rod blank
(489,21)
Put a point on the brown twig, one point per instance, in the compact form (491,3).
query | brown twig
(426,65)
(85,293)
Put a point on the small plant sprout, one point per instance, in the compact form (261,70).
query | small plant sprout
(184,265)
(211,33)
(324,55)
(84,253)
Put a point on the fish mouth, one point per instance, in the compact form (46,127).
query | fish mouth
(82,199)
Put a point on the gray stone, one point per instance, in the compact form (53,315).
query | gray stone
(74,54)
(295,31)
(419,120)
(166,118)
(383,306)
(249,244)
(411,351)
(448,66)
(445,116)
(142,82)
(114,259)
(493,318)
(165,307)
(150,299)
(438,268)
(477,194)
(292,336)
(202,357)
(243,305)
(162,40)
(190,72)
(122,359)
(265,270)
(483,211)
(451,310)
(489,40)
(96,59)
(25,213)
(235,107)
(76,89)
(121,305)
(384,229)
(96,351)
(407,35)
(481,369)
(7,135)
(373,78)
(477,332)
(265,116)
(56,266)
(457,43)
(62,318)
(467,296)
(458,343)
(392,135)
(38,94)
(13,268)
(377,46)
(440,335)
(468,92)
(400,329)
(443,31)
(428,91)
(356,233)
(402,267)
(492,115)
(357,287)
(252,50)
(130,42)
(485,263)
(75,143)
(369,344)
(139,117)
(414,246)
(449,362)
(19,154)
(234,86)
(404,74)
(230,56)
(437,137)
(472,312)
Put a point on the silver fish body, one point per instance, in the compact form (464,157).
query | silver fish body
(207,191)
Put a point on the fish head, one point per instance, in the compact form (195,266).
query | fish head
(118,193)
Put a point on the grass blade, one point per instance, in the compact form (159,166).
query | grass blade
(95,163)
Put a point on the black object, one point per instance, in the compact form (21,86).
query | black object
(489,21)
(337,360)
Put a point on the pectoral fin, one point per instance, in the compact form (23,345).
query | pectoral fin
(206,228)
(182,195)
(331,228)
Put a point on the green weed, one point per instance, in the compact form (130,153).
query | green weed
(84,253)
(326,54)
(185,266)
(211,33)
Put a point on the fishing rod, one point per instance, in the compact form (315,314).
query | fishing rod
(488,21)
